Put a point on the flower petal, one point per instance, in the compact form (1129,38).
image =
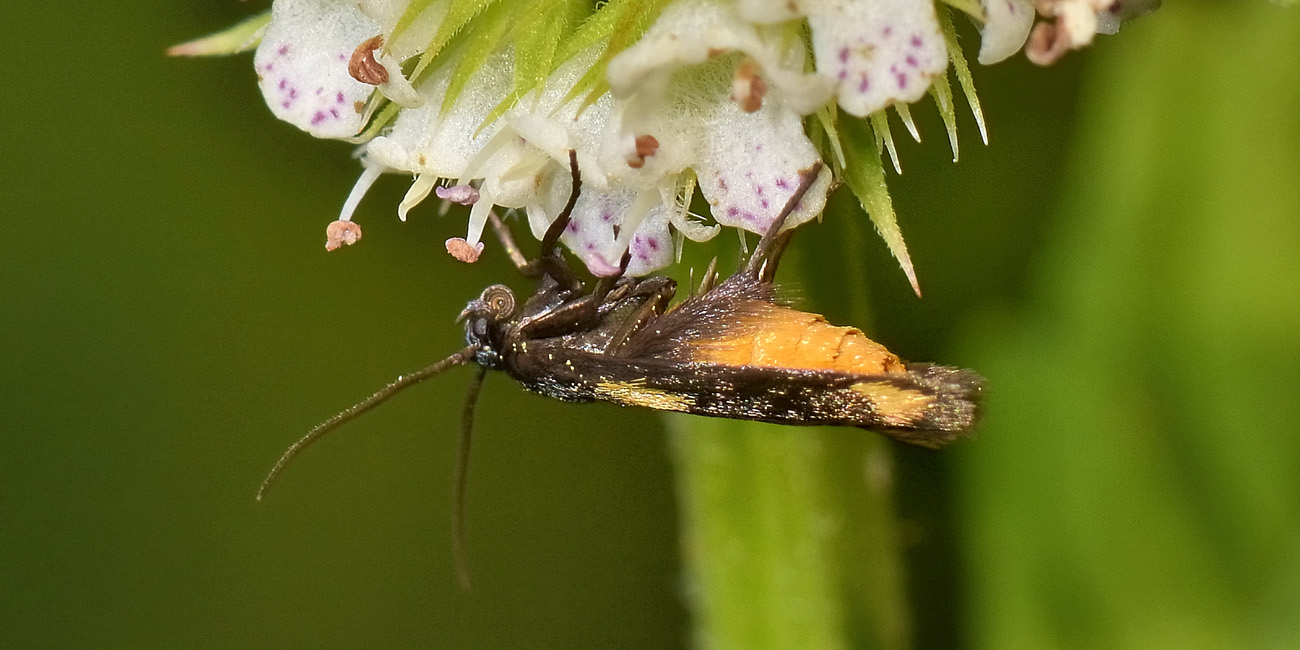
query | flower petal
(1005,30)
(641,223)
(879,52)
(768,11)
(302,66)
(692,32)
(751,162)
(428,140)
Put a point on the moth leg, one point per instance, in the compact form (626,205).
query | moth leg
(577,314)
(659,292)
(508,242)
(762,264)
(562,220)
(550,261)
(601,293)
(585,312)
(710,277)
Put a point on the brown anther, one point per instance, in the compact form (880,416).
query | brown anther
(363,67)
(646,146)
(463,250)
(747,87)
(1047,43)
(341,233)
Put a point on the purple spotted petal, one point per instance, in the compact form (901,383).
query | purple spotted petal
(302,65)
(879,52)
(752,163)
(591,235)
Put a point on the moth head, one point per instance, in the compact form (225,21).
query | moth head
(496,304)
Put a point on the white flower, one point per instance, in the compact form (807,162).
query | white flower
(714,94)
(1076,22)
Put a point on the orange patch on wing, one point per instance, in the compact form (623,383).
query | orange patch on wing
(779,337)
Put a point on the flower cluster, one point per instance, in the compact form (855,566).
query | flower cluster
(481,100)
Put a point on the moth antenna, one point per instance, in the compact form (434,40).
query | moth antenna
(562,220)
(762,262)
(350,413)
(459,547)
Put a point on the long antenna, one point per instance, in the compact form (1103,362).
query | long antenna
(459,547)
(348,414)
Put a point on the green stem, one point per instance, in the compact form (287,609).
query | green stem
(789,535)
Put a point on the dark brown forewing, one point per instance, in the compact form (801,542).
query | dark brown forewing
(728,309)
(926,405)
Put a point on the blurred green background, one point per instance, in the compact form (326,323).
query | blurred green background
(1122,262)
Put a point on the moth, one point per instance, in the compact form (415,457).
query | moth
(732,349)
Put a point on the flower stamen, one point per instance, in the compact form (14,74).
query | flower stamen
(747,87)
(463,250)
(341,233)
(363,67)
(645,146)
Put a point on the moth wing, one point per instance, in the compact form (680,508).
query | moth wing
(924,404)
(741,323)
(736,351)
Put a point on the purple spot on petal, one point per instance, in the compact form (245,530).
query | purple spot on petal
(844,73)
(293,93)
(591,246)
(758,189)
(286,103)
(652,243)
(343,57)
(573,226)
(888,31)
(916,41)
(766,205)
(339,98)
(911,60)
(282,84)
(722,183)
(284,49)
(334,112)
(901,79)
(782,183)
(733,211)
(864,84)
(317,118)
(844,55)
(606,216)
